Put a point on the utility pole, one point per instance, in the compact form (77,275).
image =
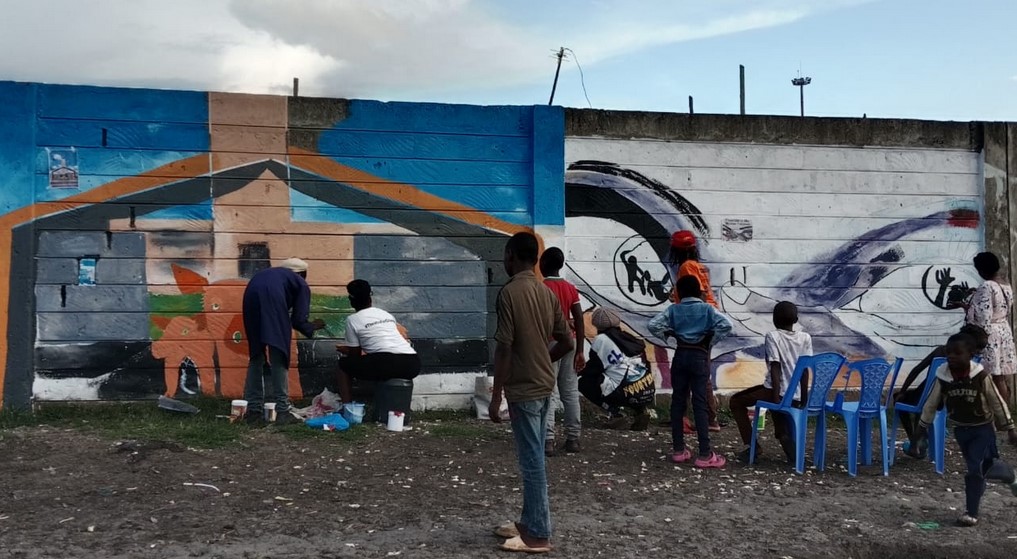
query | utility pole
(296,86)
(741,82)
(800,83)
(554,86)
(691,111)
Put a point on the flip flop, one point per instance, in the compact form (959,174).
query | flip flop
(517,544)
(507,530)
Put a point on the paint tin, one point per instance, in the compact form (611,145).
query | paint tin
(761,423)
(238,408)
(270,412)
(395,421)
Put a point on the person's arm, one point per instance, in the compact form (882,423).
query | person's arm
(921,366)
(1000,411)
(720,326)
(775,378)
(504,336)
(980,309)
(932,405)
(301,312)
(560,334)
(660,325)
(577,319)
(352,346)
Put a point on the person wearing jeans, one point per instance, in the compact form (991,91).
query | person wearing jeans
(696,326)
(276,301)
(528,316)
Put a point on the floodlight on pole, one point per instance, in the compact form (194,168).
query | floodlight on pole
(800,83)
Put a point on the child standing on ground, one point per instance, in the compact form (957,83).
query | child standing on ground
(972,403)
(684,261)
(567,383)
(696,326)
(782,348)
(618,373)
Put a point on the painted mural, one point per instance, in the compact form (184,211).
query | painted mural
(870,244)
(135,217)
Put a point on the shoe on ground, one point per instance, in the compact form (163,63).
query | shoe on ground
(517,544)
(287,418)
(967,521)
(714,460)
(641,422)
(572,446)
(549,449)
(507,530)
(681,456)
(715,427)
(254,418)
(743,456)
(788,446)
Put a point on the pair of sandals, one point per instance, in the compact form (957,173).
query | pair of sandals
(714,460)
(514,541)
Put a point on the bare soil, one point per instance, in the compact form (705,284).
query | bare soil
(439,489)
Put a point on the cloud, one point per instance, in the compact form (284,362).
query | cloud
(353,48)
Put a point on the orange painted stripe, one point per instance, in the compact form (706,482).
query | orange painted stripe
(182,169)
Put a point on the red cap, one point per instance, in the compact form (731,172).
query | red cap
(683,239)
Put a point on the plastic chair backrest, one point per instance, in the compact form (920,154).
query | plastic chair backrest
(930,378)
(804,362)
(825,367)
(897,365)
(873,373)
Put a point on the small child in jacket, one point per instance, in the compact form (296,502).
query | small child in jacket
(696,327)
(973,404)
(617,374)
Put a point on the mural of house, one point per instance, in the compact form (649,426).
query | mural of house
(125,283)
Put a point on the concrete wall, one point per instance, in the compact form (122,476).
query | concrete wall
(135,217)
(132,219)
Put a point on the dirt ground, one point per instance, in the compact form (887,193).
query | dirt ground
(439,489)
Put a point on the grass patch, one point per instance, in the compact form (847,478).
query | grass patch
(145,421)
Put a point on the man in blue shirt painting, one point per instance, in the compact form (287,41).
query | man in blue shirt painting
(276,302)
(696,326)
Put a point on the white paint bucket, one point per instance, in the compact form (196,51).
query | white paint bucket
(270,412)
(395,420)
(353,412)
(238,408)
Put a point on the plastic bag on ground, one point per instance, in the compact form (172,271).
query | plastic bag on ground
(332,421)
(483,389)
(323,404)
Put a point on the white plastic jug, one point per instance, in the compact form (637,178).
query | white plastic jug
(395,420)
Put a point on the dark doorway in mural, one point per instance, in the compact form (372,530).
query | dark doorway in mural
(254,257)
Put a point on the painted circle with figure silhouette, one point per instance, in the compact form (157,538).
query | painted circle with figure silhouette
(639,273)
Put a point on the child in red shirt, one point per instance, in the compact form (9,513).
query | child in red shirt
(567,385)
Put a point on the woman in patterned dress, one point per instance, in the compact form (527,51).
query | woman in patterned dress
(989,307)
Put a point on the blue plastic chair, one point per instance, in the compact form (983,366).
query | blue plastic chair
(937,431)
(858,416)
(824,367)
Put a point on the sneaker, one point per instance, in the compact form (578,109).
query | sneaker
(714,460)
(254,418)
(967,520)
(572,446)
(681,456)
(641,422)
(549,449)
(287,418)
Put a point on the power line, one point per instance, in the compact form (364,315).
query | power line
(582,78)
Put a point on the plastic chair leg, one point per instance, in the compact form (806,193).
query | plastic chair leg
(752,440)
(865,432)
(801,422)
(892,440)
(851,421)
(886,443)
(819,448)
(940,436)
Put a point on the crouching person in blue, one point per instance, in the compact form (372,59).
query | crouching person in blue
(973,404)
(617,373)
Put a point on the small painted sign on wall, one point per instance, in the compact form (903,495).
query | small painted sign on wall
(63,167)
(86,270)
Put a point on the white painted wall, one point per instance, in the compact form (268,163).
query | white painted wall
(806,204)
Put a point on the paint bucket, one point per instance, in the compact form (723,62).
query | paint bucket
(270,412)
(395,421)
(354,413)
(761,423)
(238,408)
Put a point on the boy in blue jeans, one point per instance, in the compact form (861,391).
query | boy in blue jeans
(696,327)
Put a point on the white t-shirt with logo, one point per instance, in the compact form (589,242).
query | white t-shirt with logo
(617,366)
(781,346)
(374,331)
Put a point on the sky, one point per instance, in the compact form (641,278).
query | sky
(929,59)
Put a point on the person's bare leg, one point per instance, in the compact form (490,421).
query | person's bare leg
(345,386)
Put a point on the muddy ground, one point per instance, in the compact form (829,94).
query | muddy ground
(437,491)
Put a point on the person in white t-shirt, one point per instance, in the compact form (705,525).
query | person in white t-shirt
(617,373)
(376,348)
(782,348)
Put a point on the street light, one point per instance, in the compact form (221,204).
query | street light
(800,83)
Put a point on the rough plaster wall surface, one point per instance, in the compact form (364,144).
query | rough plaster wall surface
(868,242)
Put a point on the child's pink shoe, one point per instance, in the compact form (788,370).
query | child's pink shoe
(713,461)
(681,457)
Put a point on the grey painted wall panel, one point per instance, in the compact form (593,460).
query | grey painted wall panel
(97,326)
(91,298)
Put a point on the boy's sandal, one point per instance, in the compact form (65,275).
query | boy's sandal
(680,457)
(714,461)
(967,520)
(507,530)
(517,544)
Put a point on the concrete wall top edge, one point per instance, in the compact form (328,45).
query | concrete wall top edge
(834,131)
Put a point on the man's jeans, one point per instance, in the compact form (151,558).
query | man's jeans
(567,391)
(254,387)
(529,424)
(690,372)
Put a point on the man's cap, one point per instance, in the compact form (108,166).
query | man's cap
(294,264)
(683,239)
